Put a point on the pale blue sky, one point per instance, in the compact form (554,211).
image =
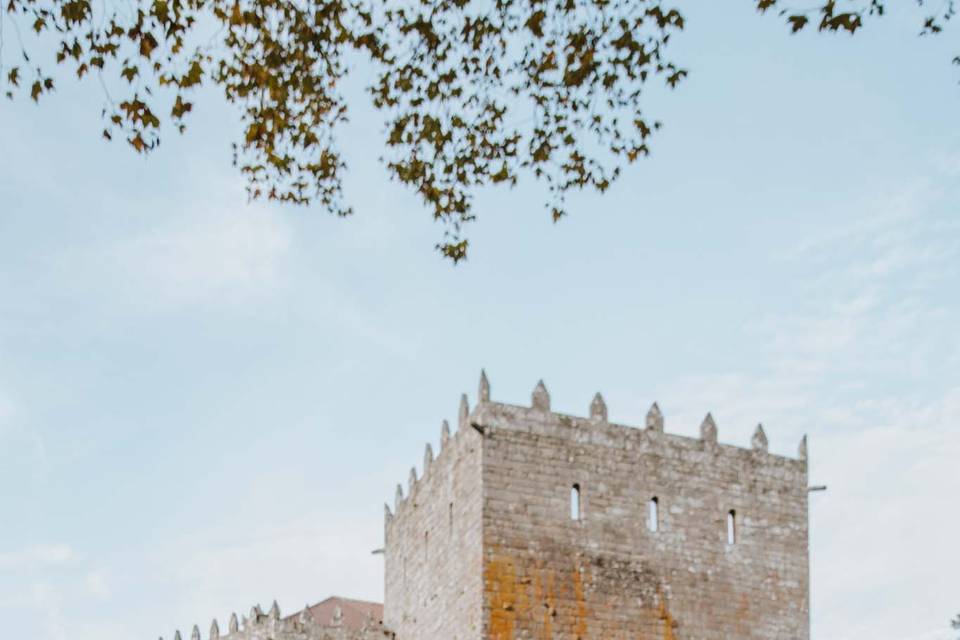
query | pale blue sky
(204,404)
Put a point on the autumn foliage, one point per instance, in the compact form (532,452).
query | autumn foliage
(472,93)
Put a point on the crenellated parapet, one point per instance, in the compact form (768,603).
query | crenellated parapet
(449,446)
(578,515)
(303,625)
(538,416)
(432,535)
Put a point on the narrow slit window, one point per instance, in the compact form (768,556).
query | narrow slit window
(426,545)
(653,515)
(732,527)
(450,516)
(575,502)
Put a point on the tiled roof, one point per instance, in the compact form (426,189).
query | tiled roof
(354,612)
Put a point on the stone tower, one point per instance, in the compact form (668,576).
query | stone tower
(534,524)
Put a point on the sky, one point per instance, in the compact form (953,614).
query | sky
(204,403)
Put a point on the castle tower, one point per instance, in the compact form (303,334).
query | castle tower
(533,524)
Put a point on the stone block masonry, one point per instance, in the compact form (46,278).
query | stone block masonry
(534,524)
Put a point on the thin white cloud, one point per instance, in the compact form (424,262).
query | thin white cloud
(212,255)
(46,600)
(97,584)
(222,569)
(18,435)
(35,555)
(44,586)
(885,523)
(211,247)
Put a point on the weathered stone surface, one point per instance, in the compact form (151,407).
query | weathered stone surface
(433,547)
(485,547)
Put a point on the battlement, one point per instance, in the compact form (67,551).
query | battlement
(540,420)
(609,528)
(310,623)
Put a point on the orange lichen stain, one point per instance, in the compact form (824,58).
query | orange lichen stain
(523,596)
(549,606)
(500,583)
(668,622)
(743,615)
(537,587)
(580,624)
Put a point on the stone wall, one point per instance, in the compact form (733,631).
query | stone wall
(607,574)
(486,545)
(433,545)
(302,626)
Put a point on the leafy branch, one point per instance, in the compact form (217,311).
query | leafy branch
(473,92)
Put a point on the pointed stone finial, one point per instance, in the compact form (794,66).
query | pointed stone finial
(255,614)
(464,411)
(444,435)
(275,611)
(759,439)
(305,616)
(176,635)
(803,447)
(484,395)
(387,515)
(337,616)
(412,481)
(655,418)
(427,458)
(234,625)
(398,498)
(540,399)
(708,430)
(195,634)
(214,630)
(598,408)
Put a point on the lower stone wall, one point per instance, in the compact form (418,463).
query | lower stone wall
(302,626)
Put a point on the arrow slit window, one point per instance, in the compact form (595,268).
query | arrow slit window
(653,515)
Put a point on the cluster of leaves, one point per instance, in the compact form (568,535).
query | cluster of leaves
(279,61)
(486,90)
(474,92)
(849,16)
(955,623)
